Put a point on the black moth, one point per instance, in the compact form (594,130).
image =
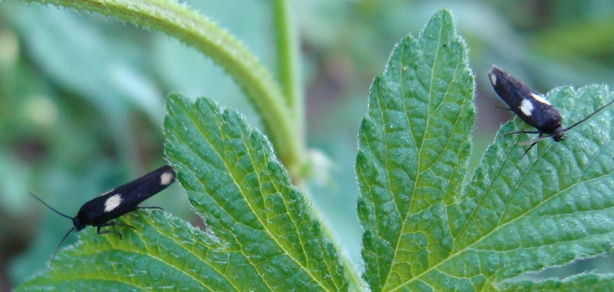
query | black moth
(531,107)
(101,211)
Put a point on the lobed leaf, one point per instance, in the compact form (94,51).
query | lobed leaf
(548,209)
(246,197)
(430,225)
(414,147)
(260,232)
(162,251)
(265,238)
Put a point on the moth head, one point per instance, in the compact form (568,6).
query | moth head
(77,223)
(559,134)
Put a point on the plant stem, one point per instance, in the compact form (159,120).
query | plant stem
(288,62)
(288,70)
(178,21)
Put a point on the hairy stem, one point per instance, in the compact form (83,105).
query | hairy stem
(178,21)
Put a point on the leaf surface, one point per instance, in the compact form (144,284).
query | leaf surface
(260,234)
(430,225)
(246,197)
(162,251)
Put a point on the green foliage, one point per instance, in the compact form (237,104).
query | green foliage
(431,225)
(582,282)
(262,233)
(277,112)
(413,154)
(162,251)
(246,196)
(428,223)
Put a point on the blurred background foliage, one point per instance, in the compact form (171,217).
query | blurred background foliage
(82,96)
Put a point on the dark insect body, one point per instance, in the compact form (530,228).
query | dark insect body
(531,107)
(100,211)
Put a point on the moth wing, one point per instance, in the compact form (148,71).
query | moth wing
(530,106)
(125,198)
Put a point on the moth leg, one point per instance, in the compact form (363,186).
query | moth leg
(523,132)
(123,224)
(112,225)
(152,207)
(525,152)
(532,144)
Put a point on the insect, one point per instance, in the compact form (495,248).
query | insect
(101,211)
(531,107)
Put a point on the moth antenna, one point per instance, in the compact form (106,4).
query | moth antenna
(57,249)
(54,210)
(594,113)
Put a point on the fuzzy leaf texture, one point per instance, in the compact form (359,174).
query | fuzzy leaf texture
(162,252)
(429,225)
(247,199)
(260,232)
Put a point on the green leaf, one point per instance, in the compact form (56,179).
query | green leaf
(547,209)
(430,225)
(247,199)
(575,283)
(414,147)
(162,251)
(260,232)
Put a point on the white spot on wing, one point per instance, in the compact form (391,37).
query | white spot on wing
(493,79)
(526,107)
(112,202)
(166,178)
(540,98)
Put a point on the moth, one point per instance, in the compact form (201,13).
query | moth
(102,210)
(531,107)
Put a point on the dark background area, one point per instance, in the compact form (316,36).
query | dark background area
(82,97)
